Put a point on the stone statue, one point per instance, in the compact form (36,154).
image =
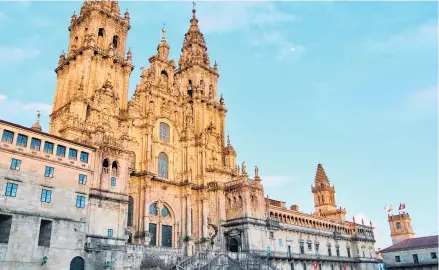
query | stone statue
(256,171)
(243,168)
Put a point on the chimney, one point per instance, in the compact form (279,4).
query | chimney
(294,207)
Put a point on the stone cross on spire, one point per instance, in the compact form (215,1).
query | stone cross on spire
(163,31)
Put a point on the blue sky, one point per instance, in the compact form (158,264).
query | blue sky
(358,91)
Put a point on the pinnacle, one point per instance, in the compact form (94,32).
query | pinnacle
(37,125)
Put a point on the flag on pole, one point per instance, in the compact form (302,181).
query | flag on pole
(389,208)
(401,206)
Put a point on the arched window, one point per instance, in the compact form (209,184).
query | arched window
(165,211)
(113,181)
(189,90)
(105,163)
(164,132)
(164,79)
(114,165)
(101,32)
(163,165)
(130,211)
(101,37)
(115,41)
(153,209)
(233,245)
(398,225)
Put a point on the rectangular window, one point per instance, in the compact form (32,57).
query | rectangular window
(433,255)
(45,233)
(82,179)
(317,248)
(8,136)
(397,259)
(113,181)
(61,151)
(110,233)
(11,190)
(73,153)
(309,246)
(415,258)
(340,267)
(337,250)
(349,252)
(84,157)
(289,251)
(48,148)
(304,266)
(271,235)
(5,228)
(332,267)
(15,164)
(21,140)
(80,201)
(153,231)
(302,248)
(49,171)
(292,266)
(166,236)
(329,251)
(320,266)
(281,242)
(35,144)
(46,195)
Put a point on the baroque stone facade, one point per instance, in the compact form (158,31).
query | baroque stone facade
(164,174)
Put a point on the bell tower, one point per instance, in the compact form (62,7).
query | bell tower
(95,58)
(324,196)
(400,227)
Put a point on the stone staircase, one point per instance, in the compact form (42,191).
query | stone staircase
(224,261)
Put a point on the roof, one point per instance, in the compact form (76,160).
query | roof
(45,134)
(321,175)
(413,243)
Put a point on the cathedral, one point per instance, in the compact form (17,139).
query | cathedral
(157,172)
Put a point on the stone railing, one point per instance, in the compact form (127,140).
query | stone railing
(305,257)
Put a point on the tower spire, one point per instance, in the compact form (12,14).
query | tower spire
(321,175)
(37,125)
(194,50)
(163,47)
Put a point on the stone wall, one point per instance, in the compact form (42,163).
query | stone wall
(406,258)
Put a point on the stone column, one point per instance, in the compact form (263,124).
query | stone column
(147,191)
(188,216)
(149,157)
(189,240)
(205,214)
